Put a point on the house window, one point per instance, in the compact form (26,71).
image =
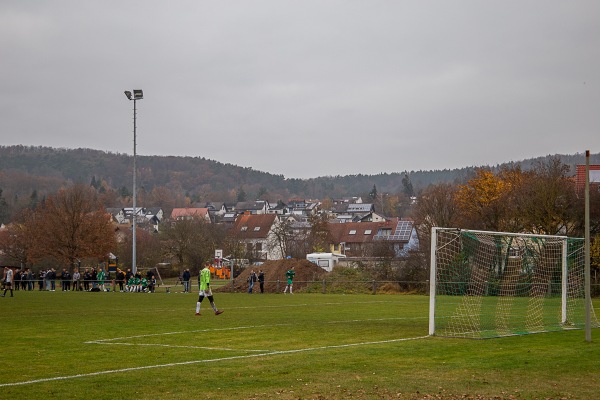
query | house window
(256,228)
(244,228)
(367,231)
(258,246)
(352,232)
(385,232)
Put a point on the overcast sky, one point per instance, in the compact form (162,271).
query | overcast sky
(305,88)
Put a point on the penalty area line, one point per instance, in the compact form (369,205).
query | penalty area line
(179,346)
(266,354)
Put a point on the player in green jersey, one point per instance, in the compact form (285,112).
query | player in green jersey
(130,284)
(205,291)
(290,273)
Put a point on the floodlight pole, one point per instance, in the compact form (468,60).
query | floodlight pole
(137,95)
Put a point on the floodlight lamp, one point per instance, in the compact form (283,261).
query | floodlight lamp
(138,94)
(128,94)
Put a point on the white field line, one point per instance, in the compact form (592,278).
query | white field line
(113,341)
(102,341)
(266,354)
(185,347)
(99,341)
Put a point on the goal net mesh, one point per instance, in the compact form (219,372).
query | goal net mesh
(492,284)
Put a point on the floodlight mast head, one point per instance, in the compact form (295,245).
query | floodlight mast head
(128,94)
(138,94)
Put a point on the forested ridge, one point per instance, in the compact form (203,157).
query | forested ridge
(28,173)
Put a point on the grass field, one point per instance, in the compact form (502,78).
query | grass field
(74,345)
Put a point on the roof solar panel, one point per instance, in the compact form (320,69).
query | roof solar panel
(403,230)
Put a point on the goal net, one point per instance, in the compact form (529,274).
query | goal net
(493,284)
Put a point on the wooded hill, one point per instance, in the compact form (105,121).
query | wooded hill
(28,173)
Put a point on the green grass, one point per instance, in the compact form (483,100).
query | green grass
(307,346)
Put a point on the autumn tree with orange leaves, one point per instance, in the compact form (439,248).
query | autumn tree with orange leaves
(489,201)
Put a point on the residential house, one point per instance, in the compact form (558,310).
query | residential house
(372,239)
(255,231)
(404,236)
(280,208)
(154,215)
(253,207)
(348,200)
(179,214)
(369,217)
(228,218)
(355,212)
(118,215)
(216,209)
(303,208)
(580,177)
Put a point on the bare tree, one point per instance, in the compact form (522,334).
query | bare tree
(549,199)
(192,241)
(320,235)
(436,206)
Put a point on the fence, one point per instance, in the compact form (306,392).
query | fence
(321,286)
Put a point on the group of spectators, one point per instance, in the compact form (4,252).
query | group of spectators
(136,282)
(48,279)
(91,279)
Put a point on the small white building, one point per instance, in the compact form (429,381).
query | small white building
(325,260)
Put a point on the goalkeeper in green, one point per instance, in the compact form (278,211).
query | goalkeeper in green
(290,273)
(205,291)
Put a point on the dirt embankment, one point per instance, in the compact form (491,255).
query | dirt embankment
(275,270)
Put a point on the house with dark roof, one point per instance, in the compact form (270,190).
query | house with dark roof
(372,239)
(253,207)
(153,215)
(280,208)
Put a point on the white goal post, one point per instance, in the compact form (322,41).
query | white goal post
(492,284)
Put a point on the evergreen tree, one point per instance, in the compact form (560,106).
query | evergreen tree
(408,186)
(4,209)
(33,200)
(241,195)
(373,193)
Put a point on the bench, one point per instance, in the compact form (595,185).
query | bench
(167,287)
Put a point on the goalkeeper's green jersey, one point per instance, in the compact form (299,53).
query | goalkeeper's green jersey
(204,279)
(290,276)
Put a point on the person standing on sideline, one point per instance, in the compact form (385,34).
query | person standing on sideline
(76,278)
(290,273)
(186,280)
(206,291)
(100,277)
(251,280)
(261,280)
(120,279)
(8,281)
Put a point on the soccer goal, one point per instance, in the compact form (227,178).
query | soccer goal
(493,284)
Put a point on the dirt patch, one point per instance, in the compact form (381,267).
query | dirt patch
(306,273)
